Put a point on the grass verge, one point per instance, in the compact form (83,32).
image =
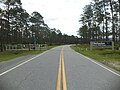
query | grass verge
(105,56)
(7,55)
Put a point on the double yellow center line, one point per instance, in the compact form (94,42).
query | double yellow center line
(61,80)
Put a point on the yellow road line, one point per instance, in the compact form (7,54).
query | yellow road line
(58,87)
(64,84)
(61,80)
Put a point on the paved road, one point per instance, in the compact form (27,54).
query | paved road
(41,72)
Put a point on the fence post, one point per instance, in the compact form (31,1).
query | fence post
(91,45)
(113,45)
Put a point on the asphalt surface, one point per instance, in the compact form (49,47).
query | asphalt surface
(40,72)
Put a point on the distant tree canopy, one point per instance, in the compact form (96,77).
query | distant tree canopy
(18,27)
(100,21)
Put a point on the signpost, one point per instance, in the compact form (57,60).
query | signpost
(102,44)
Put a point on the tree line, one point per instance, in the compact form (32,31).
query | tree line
(100,21)
(17,26)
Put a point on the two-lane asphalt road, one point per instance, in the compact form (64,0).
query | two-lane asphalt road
(60,68)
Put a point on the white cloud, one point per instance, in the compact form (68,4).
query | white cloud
(59,14)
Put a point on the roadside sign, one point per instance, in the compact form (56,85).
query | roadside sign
(102,44)
(94,44)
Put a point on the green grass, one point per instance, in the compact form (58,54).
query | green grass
(105,56)
(7,55)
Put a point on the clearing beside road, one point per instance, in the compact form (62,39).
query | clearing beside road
(106,56)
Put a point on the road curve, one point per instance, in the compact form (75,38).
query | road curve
(41,72)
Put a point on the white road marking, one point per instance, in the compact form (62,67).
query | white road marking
(21,64)
(101,65)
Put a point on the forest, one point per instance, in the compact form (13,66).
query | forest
(100,21)
(17,26)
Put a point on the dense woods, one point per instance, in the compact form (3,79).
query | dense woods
(100,21)
(19,27)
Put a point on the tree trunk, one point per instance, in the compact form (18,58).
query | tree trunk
(1,47)
(113,25)
(106,22)
(103,30)
(106,27)
(119,23)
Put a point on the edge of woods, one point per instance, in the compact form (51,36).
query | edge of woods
(11,54)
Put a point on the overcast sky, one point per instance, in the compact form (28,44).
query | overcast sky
(59,14)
